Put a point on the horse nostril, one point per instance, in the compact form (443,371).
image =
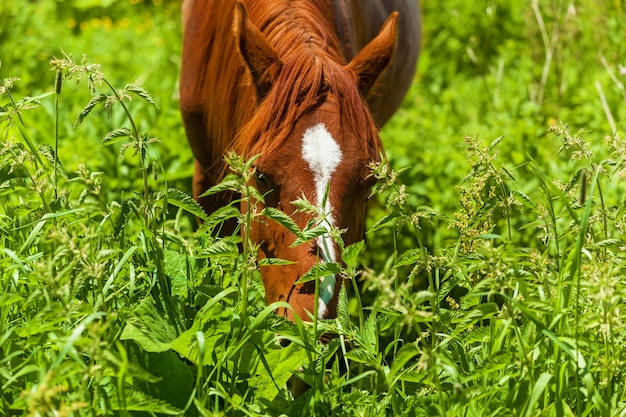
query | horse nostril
(314,248)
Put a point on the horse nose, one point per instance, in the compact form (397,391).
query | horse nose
(314,248)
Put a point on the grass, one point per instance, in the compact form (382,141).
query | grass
(490,283)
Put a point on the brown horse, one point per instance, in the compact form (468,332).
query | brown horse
(303,84)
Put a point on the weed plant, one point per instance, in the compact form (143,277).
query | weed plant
(109,308)
(498,293)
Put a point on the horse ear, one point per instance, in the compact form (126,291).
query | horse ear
(370,62)
(260,57)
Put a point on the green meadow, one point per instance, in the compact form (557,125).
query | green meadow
(492,277)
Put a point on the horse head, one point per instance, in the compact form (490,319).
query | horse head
(314,137)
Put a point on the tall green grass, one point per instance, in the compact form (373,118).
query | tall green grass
(110,307)
(491,282)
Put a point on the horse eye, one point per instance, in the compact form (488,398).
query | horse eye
(262,180)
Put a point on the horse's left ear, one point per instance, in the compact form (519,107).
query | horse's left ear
(261,58)
(370,62)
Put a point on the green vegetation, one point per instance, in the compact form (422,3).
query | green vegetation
(492,278)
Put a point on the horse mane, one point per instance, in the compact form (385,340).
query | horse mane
(313,72)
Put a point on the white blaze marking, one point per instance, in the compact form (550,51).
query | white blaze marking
(323,154)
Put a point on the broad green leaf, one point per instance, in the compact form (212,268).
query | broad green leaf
(214,325)
(176,269)
(148,328)
(282,362)
(176,379)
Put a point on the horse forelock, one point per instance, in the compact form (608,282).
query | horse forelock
(313,72)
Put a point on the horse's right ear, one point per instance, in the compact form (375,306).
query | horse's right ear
(260,57)
(370,62)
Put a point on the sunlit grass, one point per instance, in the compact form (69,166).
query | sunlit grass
(491,281)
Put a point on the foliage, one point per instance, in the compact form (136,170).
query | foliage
(491,282)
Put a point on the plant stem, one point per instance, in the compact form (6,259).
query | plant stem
(136,137)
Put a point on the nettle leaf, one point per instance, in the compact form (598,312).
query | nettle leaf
(368,335)
(343,308)
(283,219)
(495,362)
(122,219)
(350,253)
(608,243)
(184,201)
(229,183)
(274,261)
(47,152)
(114,362)
(361,355)
(218,217)
(495,142)
(469,318)
(139,401)
(401,358)
(524,199)
(320,270)
(222,247)
(100,98)
(410,257)
(384,221)
(115,136)
(12,185)
(310,234)
(141,92)
(148,328)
